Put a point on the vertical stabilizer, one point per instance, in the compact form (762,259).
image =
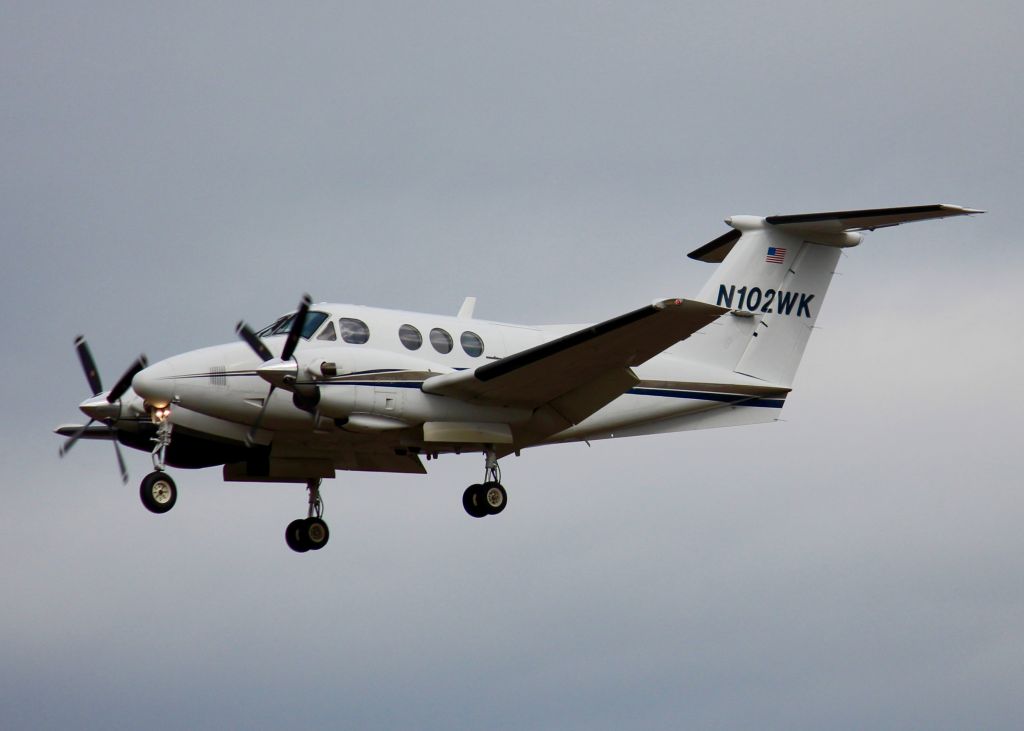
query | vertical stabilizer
(773,274)
(774,281)
(784,324)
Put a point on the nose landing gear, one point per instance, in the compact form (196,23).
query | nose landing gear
(309,533)
(158,491)
(488,498)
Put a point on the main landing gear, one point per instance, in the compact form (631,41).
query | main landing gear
(309,533)
(490,497)
(158,491)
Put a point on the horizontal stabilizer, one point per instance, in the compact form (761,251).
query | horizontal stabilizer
(867,220)
(831,222)
(541,374)
(714,252)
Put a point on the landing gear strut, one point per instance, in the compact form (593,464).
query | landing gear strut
(158,491)
(488,498)
(309,533)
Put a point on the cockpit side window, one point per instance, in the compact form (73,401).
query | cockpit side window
(328,333)
(312,323)
(282,325)
(269,329)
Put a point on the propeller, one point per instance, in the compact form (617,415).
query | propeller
(102,408)
(260,348)
(92,375)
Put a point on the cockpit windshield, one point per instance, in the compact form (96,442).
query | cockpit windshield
(282,325)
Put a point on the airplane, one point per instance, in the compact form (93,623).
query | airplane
(332,387)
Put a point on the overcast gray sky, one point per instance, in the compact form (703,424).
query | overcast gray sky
(858,565)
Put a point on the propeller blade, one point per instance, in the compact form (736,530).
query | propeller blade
(246,333)
(250,438)
(126,380)
(297,324)
(120,462)
(70,441)
(88,365)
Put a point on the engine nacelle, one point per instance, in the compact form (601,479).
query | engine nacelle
(351,381)
(405,401)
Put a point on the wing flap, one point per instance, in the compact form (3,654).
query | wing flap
(541,374)
(381,461)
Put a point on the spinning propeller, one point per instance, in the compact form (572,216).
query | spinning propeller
(105,408)
(282,371)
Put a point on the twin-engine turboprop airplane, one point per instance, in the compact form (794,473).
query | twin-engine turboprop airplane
(341,387)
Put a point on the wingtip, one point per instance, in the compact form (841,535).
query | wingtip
(961,210)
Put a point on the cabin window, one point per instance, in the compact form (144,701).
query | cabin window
(410,337)
(328,333)
(472,344)
(354,331)
(441,340)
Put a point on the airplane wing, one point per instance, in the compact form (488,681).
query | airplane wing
(601,354)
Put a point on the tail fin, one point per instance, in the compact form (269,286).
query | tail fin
(774,274)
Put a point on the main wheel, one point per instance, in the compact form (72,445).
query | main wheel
(494,498)
(473,501)
(158,492)
(295,536)
(315,533)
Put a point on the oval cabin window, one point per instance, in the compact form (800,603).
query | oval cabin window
(441,340)
(410,337)
(472,344)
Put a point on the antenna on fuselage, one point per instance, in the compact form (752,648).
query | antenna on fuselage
(466,311)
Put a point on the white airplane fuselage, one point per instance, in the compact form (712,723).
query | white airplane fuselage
(381,381)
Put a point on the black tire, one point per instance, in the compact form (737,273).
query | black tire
(473,501)
(295,535)
(158,492)
(493,497)
(315,533)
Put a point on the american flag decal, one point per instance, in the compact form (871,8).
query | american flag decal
(776,255)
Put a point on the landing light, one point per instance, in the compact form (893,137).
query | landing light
(159,414)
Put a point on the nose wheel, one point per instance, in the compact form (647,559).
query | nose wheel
(309,533)
(158,492)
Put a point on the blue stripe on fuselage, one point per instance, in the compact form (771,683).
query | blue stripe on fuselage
(726,398)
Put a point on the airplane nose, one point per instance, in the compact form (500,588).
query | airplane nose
(155,384)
